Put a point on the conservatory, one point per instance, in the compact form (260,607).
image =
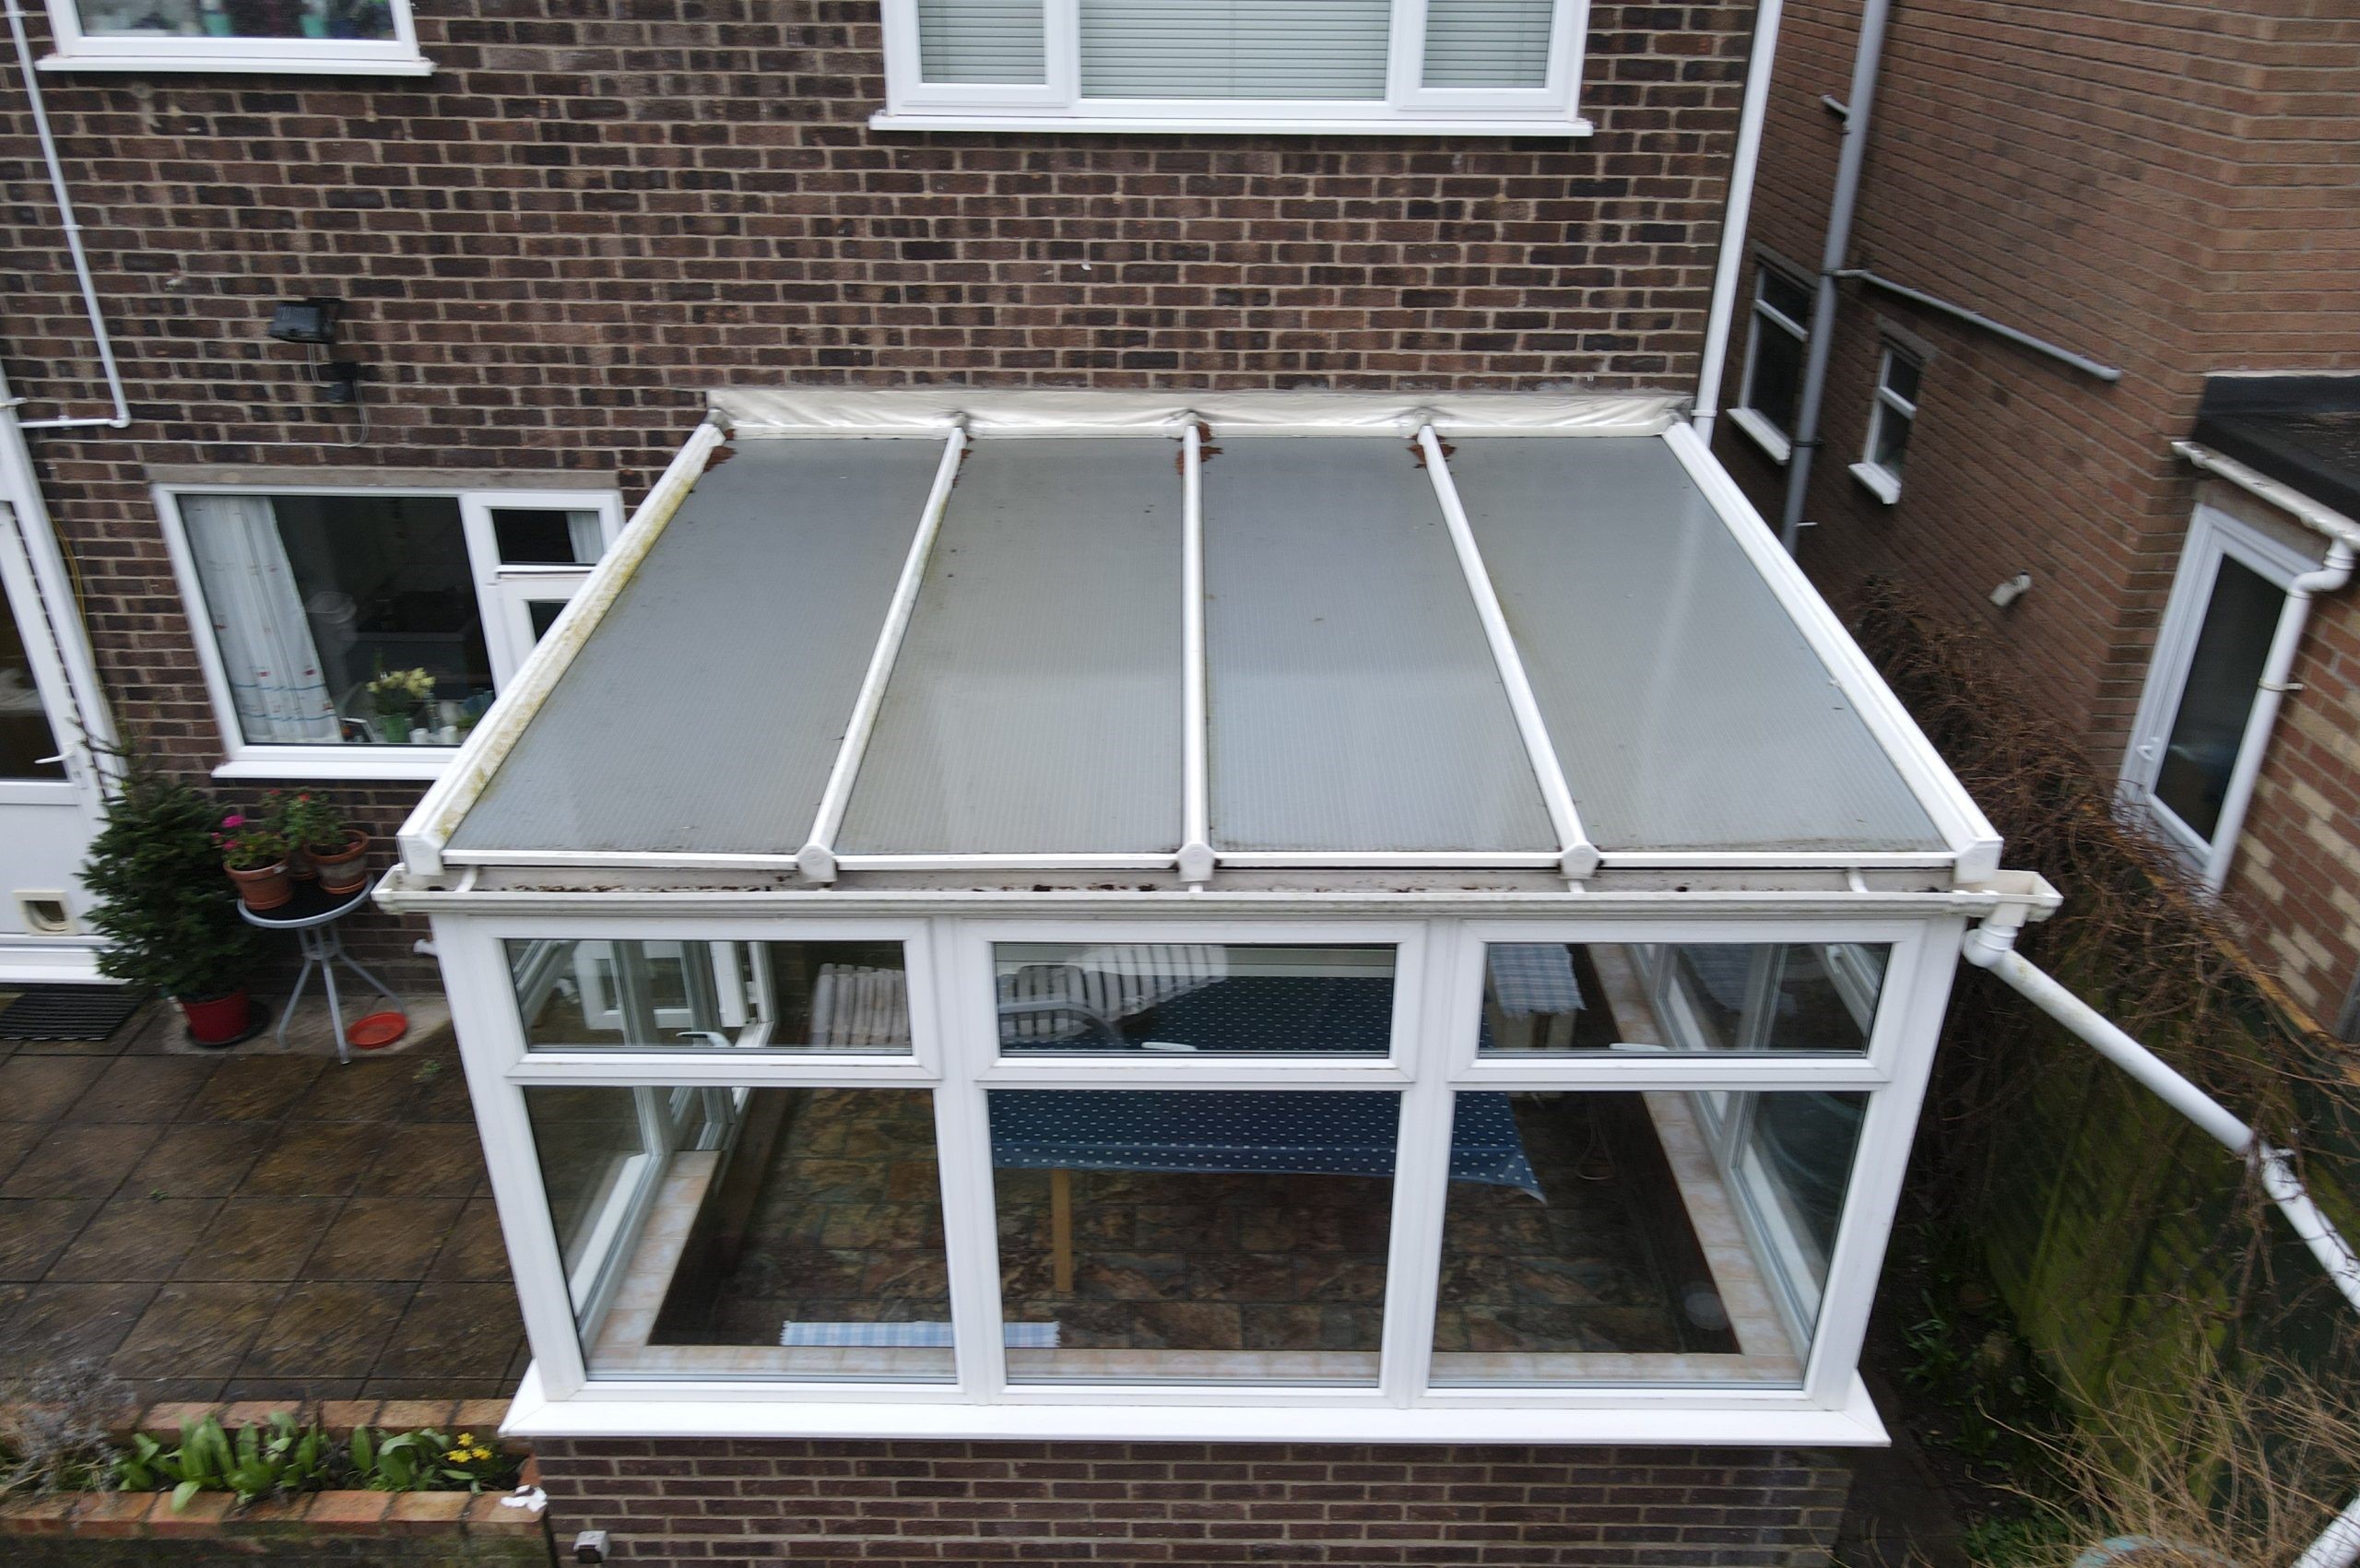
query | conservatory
(1283,915)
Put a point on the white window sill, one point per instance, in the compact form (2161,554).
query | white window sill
(1881,483)
(1762,433)
(291,65)
(422,764)
(1226,124)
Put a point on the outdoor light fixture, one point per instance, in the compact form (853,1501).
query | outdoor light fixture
(2014,588)
(305,320)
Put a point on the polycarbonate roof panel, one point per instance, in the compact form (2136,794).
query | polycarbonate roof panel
(703,713)
(1685,707)
(1035,707)
(1354,702)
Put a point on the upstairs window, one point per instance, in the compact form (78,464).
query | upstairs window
(1774,360)
(363,37)
(1506,67)
(1892,418)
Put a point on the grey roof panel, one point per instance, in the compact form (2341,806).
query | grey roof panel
(1036,704)
(703,713)
(1354,703)
(1686,709)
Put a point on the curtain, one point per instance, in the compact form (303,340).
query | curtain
(582,532)
(980,41)
(1488,43)
(256,609)
(1247,48)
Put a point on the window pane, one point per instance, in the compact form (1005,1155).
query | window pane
(539,535)
(1200,1235)
(1693,996)
(543,614)
(239,18)
(1893,439)
(1654,1237)
(749,1232)
(980,41)
(1775,375)
(1786,296)
(1192,996)
(1488,43)
(658,996)
(24,735)
(1256,49)
(2222,679)
(342,618)
(1901,375)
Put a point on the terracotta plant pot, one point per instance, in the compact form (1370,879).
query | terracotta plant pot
(218,1020)
(342,870)
(266,887)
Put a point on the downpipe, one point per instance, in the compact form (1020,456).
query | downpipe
(1736,214)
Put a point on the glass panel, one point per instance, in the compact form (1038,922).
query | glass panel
(1206,1236)
(1654,1237)
(539,535)
(1786,296)
(1190,996)
(660,995)
(1488,43)
(980,41)
(1560,997)
(1892,445)
(1269,49)
(2222,677)
(342,618)
(24,735)
(238,18)
(749,1232)
(1777,375)
(1901,375)
(542,614)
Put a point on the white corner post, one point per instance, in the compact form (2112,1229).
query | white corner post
(1737,215)
(1197,859)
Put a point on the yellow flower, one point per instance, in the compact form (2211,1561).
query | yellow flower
(455,1453)
(482,1454)
(466,1439)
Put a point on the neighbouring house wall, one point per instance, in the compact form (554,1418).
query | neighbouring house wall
(2166,189)
(890,1504)
(553,245)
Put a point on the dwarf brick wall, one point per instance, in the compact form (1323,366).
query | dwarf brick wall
(886,1504)
(587,215)
(2162,188)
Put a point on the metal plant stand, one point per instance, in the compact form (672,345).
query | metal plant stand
(312,916)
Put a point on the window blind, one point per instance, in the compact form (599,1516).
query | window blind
(1487,44)
(1248,49)
(980,41)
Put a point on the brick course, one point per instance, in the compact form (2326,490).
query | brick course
(886,1504)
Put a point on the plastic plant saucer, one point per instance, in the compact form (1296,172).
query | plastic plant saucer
(377,1029)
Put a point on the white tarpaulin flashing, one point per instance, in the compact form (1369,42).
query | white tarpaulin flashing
(840,411)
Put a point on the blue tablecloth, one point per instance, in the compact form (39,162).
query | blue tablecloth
(1316,1132)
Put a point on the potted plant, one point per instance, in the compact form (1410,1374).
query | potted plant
(335,850)
(170,924)
(394,696)
(255,855)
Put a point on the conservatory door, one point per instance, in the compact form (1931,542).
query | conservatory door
(49,807)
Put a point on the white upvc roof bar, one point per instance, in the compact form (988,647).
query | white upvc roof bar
(1196,858)
(1577,857)
(817,858)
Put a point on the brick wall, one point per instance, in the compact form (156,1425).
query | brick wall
(2162,188)
(885,1503)
(585,217)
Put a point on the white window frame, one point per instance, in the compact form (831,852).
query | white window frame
(499,601)
(148,53)
(1439,996)
(1882,482)
(1057,104)
(2213,536)
(1762,430)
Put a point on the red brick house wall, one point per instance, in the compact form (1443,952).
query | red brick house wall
(2162,188)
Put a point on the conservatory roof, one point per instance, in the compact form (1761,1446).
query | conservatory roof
(964,630)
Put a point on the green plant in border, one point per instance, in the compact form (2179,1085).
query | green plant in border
(169,920)
(426,1460)
(273,1459)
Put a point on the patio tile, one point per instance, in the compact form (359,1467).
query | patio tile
(80,1160)
(59,1323)
(136,1089)
(41,1089)
(326,1331)
(285,1392)
(204,1160)
(474,1250)
(443,1160)
(314,1159)
(253,1088)
(383,1238)
(368,1089)
(197,1332)
(34,1231)
(17,1139)
(259,1239)
(454,1330)
(136,1238)
(444,1096)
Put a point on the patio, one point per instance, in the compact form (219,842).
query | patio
(248,1223)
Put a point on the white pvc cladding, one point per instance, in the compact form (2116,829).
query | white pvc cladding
(972,633)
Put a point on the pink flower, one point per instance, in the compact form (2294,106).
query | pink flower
(233,821)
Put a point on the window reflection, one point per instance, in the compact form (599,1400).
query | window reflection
(628,995)
(1817,996)
(239,18)
(1182,997)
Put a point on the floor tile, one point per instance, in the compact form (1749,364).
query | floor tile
(195,1331)
(136,1238)
(34,1231)
(443,1160)
(371,1088)
(80,1160)
(136,1089)
(41,1088)
(326,1330)
(317,1159)
(254,1089)
(204,1160)
(474,1252)
(455,1330)
(58,1324)
(17,1139)
(383,1238)
(259,1238)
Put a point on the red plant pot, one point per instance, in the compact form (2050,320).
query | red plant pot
(218,1020)
(263,888)
(343,870)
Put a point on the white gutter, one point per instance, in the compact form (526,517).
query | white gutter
(61,606)
(1737,215)
(73,227)
(1991,946)
(2287,497)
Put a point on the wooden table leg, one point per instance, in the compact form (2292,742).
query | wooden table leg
(1061,1230)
